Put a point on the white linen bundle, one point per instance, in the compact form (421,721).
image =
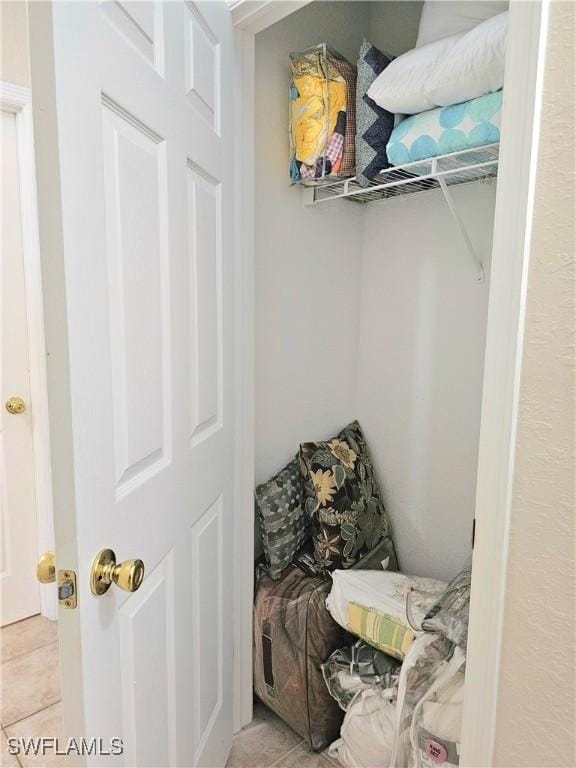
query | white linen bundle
(367,734)
(449,71)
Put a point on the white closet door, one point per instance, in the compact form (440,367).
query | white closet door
(144,120)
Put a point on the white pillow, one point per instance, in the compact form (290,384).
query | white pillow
(449,71)
(443,18)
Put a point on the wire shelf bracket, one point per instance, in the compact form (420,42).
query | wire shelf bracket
(442,172)
(479,267)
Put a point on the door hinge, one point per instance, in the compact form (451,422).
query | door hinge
(67,593)
(473,532)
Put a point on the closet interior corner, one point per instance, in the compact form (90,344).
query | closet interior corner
(371,301)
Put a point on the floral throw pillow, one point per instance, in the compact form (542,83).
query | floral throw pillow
(343,501)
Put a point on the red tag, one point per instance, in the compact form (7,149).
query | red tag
(435,751)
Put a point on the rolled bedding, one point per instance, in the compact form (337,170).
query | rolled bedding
(385,609)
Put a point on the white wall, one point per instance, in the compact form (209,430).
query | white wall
(421,350)
(536,712)
(422,338)
(307,260)
(394,25)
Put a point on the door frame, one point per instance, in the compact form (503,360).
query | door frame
(507,297)
(17,100)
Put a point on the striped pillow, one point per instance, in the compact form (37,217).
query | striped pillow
(381,630)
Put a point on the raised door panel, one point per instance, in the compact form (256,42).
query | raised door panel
(202,67)
(204,238)
(146,622)
(136,214)
(208,622)
(140,24)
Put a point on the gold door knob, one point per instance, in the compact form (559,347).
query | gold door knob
(127,575)
(46,568)
(15,405)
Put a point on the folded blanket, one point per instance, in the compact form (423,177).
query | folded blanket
(384,608)
(443,130)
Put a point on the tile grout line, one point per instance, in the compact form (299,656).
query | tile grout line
(17,658)
(285,754)
(20,719)
(26,653)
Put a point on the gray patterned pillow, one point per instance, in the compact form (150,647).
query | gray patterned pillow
(279,503)
(374,125)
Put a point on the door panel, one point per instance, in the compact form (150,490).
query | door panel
(204,222)
(136,218)
(207,549)
(141,24)
(202,66)
(148,666)
(145,140)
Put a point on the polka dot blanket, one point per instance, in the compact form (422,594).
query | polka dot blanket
(443,130)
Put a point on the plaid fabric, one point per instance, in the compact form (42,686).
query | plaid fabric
(334,149)
(307,171)
(349,73)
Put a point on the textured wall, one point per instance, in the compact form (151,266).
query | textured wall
(535,724)
(14,62)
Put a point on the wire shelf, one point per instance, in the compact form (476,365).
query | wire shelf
(462,167)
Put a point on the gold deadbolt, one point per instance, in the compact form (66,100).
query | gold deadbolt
(127,575)
(15,405)
(46,568)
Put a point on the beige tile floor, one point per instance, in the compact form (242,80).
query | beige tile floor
(31,707)
(30,688)
(268,743)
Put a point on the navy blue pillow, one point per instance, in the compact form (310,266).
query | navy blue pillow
(373,124)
